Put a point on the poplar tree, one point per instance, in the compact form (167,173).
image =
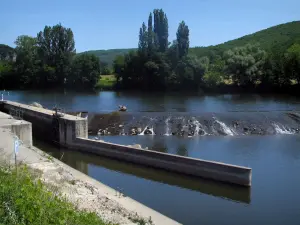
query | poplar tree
(183,41)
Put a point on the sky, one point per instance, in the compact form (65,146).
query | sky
(111,24)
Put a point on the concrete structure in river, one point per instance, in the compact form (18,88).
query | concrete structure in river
(72,132)
(77,187)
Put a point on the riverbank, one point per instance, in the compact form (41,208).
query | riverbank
(78,188)
(109,83)
(25,200)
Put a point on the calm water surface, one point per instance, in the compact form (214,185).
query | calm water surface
(273,198)
(157,102)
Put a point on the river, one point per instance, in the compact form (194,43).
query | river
(274,158)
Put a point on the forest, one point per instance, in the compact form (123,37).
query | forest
(162,65)
(268,60)
(48,60)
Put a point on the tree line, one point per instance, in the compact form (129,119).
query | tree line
(48,60)
(162,65)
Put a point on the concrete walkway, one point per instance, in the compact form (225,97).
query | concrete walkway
(79,188)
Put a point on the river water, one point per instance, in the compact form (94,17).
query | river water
(274,158)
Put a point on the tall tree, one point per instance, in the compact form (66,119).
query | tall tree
(57,48)
(161,30)
(27,62)
(142,46)
(150,35)
(183,40)
(85,70)
(118,65)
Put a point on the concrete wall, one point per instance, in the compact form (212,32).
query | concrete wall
(20,128)
(196,167)
(45,126)
(72,132)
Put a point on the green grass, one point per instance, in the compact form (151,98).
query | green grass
(24,199)
(106,82)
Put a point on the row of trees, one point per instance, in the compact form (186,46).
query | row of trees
(50,60)
(47,60)
(159,64)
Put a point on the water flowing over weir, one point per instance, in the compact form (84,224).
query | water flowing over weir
(189,125)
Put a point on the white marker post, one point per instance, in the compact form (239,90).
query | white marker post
(2,97)
(16,149)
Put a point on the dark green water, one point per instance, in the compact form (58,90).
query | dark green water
(273,198)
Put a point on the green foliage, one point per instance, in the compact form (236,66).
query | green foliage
(26,200)
(245,64)
(106,82)
(108,56)
(269,58)
(85,70)
(27,61)
(6,53)
(279,38)
(56,48)
(293,62)
(183,42)
(6,72)
(118,66)
(248,65)
(215,75)
(154,66)
(276,38)
(160,30)
(48,61)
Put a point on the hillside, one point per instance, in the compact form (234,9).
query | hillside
(6,52)
(108,56)
(279,37)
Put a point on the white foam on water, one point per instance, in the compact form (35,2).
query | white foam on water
(280,129)
(168,131)
(227,130)
(198,127)
(142,133)
(151,129)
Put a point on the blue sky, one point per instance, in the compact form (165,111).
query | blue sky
(99,24)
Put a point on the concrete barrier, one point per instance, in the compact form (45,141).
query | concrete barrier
(20,128)
(59,128)
(180,164)
(72,132)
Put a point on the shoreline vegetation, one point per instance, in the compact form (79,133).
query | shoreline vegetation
(40,189)
(266,61)
(24,199)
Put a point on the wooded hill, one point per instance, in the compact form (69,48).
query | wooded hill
(281,37)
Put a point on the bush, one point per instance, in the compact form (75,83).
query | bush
(26,200)
(213,78)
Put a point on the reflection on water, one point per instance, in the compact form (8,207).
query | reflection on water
(82,161)
(273,198)
(275,160)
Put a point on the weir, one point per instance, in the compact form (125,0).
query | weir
(72,132)
(192,124)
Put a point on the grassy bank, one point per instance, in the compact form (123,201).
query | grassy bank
(24,199)
(106,82)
